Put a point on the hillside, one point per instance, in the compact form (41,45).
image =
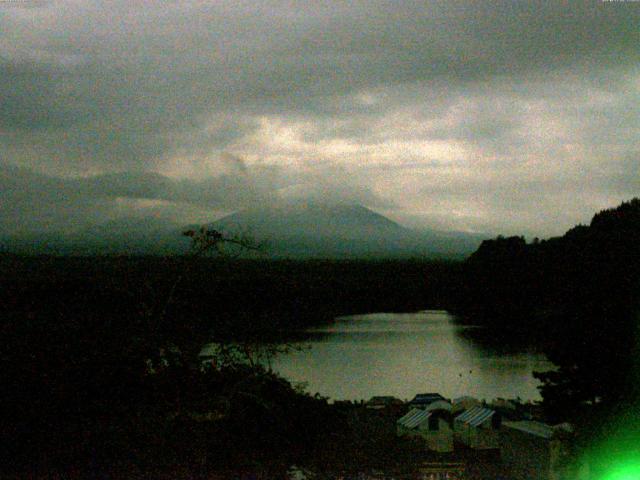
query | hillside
(508,277)
(312,229)
(289,230)
(577,297)
(126,235)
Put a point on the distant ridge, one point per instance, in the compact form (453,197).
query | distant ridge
(315,229)
(125,235)
(300,229)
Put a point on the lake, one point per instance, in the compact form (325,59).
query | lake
(402,354)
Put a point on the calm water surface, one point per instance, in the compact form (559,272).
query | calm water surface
(403,354)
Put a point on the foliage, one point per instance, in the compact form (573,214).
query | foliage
(88,390)
(577,295)
(101,373)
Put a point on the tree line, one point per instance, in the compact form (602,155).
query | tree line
(101,375)
(578,296)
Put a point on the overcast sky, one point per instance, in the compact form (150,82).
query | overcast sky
(501,117)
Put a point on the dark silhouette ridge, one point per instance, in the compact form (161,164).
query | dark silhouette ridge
(301,229)
(78,394)
(578,295)
(313,229)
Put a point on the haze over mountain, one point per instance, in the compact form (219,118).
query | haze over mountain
(124,235)
(292,228)
(309,228)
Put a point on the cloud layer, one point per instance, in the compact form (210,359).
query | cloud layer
(494,116)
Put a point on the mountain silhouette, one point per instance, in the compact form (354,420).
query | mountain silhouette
(302,229)
(316,229)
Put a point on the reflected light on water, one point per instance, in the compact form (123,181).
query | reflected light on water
(359,356)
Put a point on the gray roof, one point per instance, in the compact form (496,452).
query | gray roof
(532,428)
(425,398)
(384,399)
(439,405)
(414,418)
(475,416)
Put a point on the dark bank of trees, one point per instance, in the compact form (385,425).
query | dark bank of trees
(595,264)
(100,375)
(100,379)
(577,295)
(285,294)
(93,383)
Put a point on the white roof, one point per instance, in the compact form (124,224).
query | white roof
(475,416)
(532,428)
(414,418)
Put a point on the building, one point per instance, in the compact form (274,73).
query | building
(439,405)
(478,428)
(422,400)
(509,409)
(533,450)
(463,403)
(381,402)
(433,426)
(505,404)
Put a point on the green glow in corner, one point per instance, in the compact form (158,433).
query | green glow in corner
(626,471)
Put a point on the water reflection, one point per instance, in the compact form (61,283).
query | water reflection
(403,354)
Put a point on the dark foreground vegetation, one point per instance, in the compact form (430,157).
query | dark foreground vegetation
(296,293)
(579,297)
(101,377)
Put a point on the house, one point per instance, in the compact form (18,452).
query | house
(544,449)
(465,402)
(509,409)
(478,428)
(422,400)
(381,402)
(439,405)
(504,403)
(433,426)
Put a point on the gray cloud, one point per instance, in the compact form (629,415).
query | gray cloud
(461,110)
(33,202)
